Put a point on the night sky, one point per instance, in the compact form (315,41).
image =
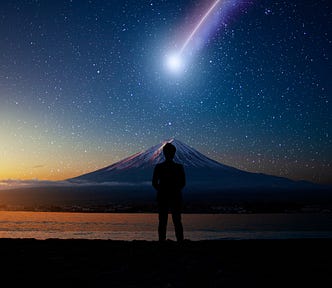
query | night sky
(84,84)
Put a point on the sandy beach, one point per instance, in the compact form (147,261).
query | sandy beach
(222,263)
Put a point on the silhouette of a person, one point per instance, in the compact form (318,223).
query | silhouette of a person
(169,180)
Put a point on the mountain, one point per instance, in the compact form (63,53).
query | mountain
(202,173)
(125,186)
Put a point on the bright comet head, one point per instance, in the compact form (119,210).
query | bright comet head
(174,63)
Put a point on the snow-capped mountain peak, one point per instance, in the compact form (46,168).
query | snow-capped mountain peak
(200,170)
(185,155)
(139,166)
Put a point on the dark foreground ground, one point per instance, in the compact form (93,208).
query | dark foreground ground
(225,263)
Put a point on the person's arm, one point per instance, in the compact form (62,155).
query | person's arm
(155,178)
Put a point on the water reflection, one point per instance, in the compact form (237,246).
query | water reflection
(123,226)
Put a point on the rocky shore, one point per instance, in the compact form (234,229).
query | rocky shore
(222,263)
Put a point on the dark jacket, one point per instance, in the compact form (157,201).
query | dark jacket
(169,180)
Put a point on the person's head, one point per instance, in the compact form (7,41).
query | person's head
(169,151)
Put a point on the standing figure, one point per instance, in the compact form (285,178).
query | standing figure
(169,180)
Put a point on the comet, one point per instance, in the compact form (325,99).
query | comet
(206,15)
(175,61)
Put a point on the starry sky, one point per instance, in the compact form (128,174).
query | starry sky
(84,84)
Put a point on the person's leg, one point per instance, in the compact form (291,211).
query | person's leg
(176,215)
(163,217)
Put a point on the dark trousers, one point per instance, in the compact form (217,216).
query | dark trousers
(164,209)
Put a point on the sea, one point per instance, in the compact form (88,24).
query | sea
(143,226)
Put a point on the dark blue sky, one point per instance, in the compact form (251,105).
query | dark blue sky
(84,84)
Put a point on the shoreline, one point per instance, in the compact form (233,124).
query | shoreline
(139,263)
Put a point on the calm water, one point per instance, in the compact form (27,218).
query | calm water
(43,225)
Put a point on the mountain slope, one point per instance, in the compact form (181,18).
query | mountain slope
(201,172)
